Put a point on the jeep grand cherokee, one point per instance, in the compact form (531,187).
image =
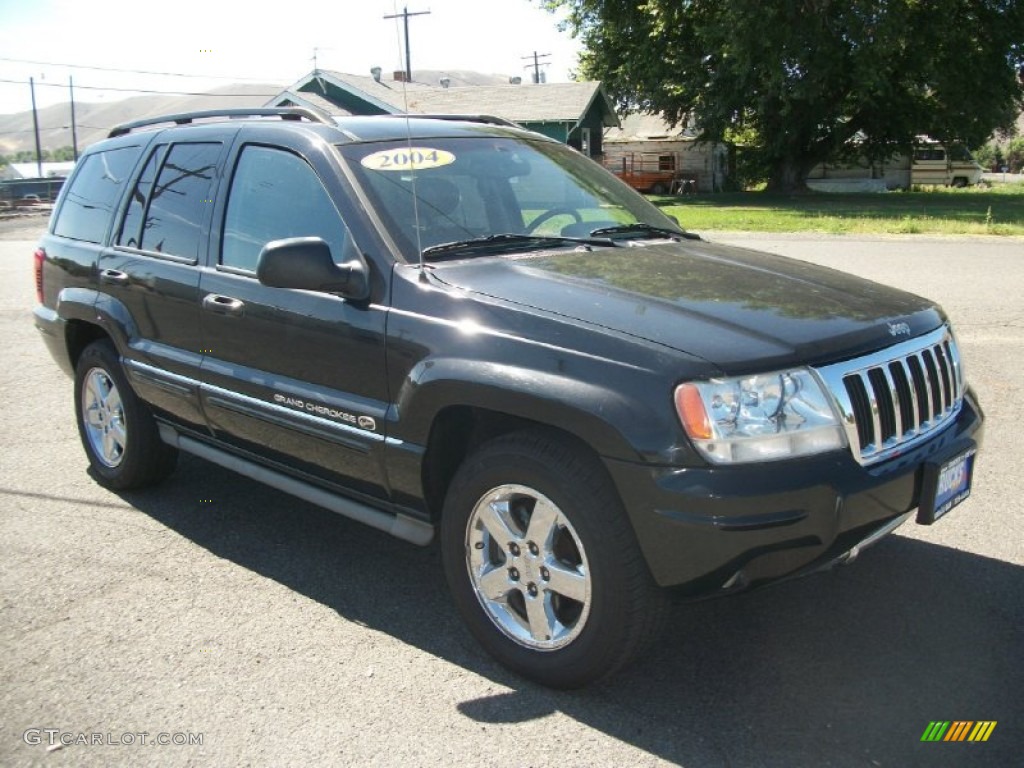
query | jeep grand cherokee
(457,327)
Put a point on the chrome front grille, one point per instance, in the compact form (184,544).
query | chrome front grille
(895,398)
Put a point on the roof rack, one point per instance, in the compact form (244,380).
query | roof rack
(489,119)
(285,113)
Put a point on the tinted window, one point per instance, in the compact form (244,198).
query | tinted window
(275,194)
(94,193)
(181,199)
(130,235)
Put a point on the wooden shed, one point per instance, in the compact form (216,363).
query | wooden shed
(648,154)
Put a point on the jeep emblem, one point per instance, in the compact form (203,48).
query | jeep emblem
(367,422)
(896,329)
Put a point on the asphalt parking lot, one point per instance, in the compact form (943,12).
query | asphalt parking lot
(275,633)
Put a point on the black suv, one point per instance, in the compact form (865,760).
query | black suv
(455,325)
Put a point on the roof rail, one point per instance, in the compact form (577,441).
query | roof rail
(489,119)
(285,113)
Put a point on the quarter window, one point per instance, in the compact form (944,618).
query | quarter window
(130,236)
(93,194)
(274,195)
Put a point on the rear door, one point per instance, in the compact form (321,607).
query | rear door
(294,376)
(150,277)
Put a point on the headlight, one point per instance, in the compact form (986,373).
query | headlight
(759,418)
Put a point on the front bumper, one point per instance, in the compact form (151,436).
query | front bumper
(709,528)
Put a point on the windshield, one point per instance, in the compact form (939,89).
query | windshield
(450,190)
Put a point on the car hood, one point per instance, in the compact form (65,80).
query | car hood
(739,309)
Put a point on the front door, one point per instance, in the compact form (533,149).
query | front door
(294,375)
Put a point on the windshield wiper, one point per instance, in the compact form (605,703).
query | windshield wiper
(508,241)
(640,228)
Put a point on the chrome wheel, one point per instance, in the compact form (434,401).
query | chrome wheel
(528,568)
(103,417)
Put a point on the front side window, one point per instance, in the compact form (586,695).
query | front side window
(94,191)
(180,200)
(276,195)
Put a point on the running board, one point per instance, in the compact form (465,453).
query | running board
(398,525)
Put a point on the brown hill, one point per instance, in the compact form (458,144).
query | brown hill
(95,119)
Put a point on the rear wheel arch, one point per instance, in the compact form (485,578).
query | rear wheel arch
(79,334)
(91,316)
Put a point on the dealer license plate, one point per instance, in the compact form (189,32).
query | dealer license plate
(946,485)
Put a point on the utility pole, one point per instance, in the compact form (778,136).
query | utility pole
(35,126)
(74,128)
(536,64)
(405,17)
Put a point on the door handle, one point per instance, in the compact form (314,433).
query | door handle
(113,276)
(223,305)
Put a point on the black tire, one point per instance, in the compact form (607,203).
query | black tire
(960,182)
(659,189)
(591,552)
(117,429)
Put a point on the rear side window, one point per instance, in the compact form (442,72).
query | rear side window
(274,195)
(181,199)
(93,194)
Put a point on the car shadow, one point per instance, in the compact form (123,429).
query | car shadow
(842,668)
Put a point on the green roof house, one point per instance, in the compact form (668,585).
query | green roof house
(574,113)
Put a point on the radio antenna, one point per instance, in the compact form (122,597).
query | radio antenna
(408,128)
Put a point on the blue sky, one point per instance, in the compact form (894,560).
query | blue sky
(217,42)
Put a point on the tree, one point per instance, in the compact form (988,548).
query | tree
(807,79)
(1015,155)
(990,157)
(62,154)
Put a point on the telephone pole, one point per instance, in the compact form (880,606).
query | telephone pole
(405,18)
(35,127)
(536,64)
(74,129)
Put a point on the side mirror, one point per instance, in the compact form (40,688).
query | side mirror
(305,263)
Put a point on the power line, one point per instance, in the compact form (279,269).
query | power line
(57,128)
(136,90)
(128,71)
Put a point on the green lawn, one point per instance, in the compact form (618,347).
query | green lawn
(995,210)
